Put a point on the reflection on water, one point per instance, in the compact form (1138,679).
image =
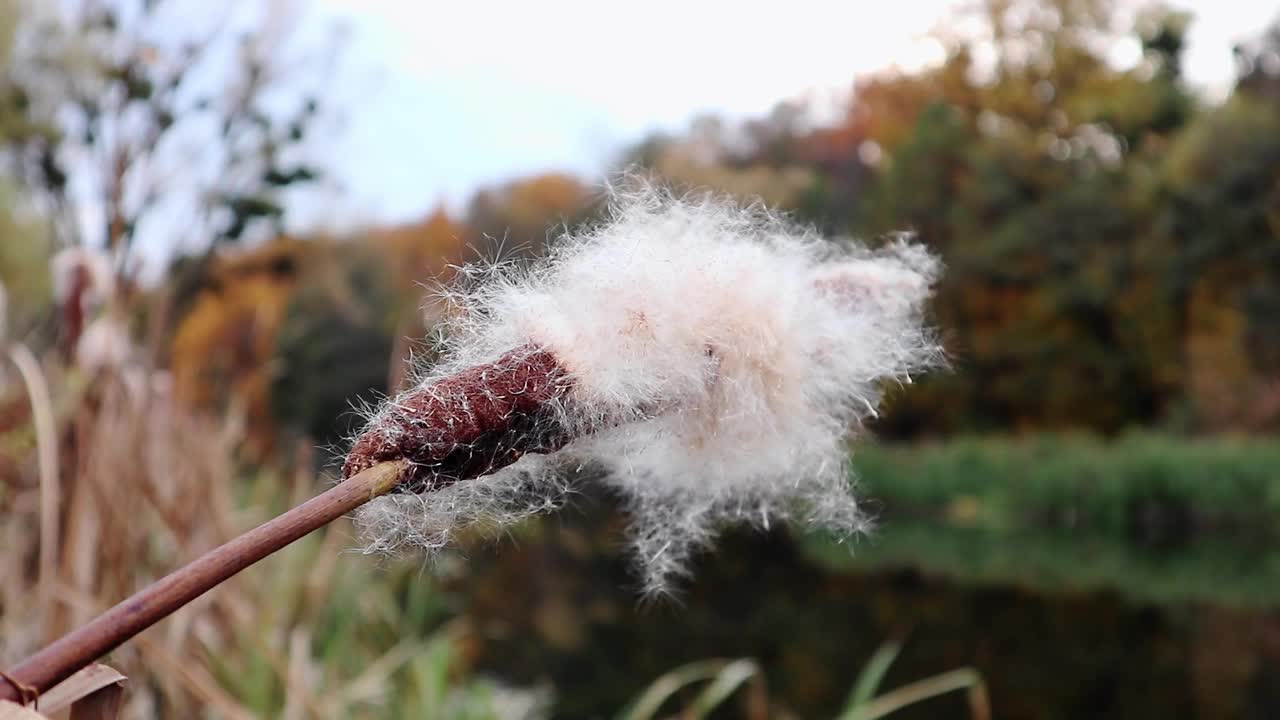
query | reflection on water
(1060,627)
(1206,570)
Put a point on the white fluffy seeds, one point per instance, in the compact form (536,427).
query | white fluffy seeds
(720,359)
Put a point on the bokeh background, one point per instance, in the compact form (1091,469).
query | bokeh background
(216,222)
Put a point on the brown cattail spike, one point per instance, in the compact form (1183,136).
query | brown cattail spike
(471,423)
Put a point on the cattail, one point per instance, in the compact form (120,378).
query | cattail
(84,286)
(710,361)
(82,275)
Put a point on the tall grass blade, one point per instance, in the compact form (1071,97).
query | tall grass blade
(47,449)
(726,683)
(872,675)
(912,693)
(660,691)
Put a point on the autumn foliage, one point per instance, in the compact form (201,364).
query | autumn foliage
(1111,238)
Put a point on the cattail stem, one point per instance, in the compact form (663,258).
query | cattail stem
(157,601)
(459,427)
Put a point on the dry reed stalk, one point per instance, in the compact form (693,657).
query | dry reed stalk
(370,683)
(144,477)
(461,427)
(47,449)
(140,475)
(299,697)
(166,665)
(198,682)
(65,656)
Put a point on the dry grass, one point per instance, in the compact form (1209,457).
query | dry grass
(141,487)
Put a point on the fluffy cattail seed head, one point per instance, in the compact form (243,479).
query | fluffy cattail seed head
(711,359)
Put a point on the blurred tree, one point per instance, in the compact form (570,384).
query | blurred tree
(222,348)
(1023,174)
(1044,173)
(124,125)
(24,262)
(24,240)
(757,161)
(1216,241)
(333,348)
(1035,253)
(419,254)
(289,334)
(1258,65)
(423,249)
(518,217)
